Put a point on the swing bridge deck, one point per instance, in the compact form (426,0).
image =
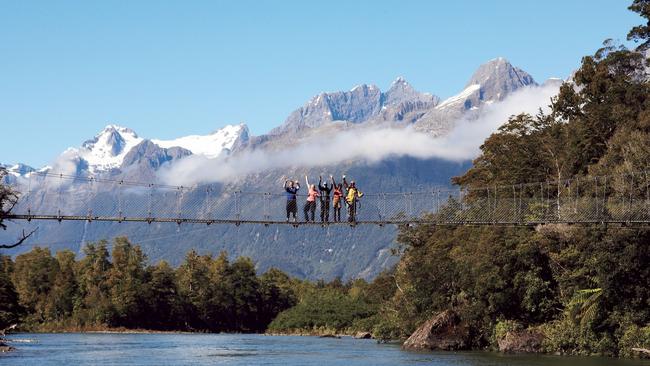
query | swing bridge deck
(621,199)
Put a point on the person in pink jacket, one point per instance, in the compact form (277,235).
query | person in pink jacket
(310,205)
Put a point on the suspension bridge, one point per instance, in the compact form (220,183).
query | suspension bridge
(619,199)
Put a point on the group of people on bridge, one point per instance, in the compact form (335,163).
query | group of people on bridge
(337,194)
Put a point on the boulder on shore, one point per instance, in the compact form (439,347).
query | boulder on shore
(363,335)
(445,331)
(521,341)
(5,347)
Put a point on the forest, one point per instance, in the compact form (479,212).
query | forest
(60,293)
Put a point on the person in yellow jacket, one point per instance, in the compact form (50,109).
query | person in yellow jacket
(352,199)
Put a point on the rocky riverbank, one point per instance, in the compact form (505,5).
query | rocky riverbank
(4,347)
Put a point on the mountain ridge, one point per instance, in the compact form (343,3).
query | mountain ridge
(400,104)
(309,252)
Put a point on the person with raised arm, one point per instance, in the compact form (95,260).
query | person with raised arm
(337,199)
(352,197)
(310,204)
(325,190)
(291,188)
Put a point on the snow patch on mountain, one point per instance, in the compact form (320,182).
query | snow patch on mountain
(211,145)
(18,170)
(460,97)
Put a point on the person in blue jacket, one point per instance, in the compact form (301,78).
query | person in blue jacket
(291,188)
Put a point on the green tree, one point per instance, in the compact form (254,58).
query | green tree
(609,94)
(221,302)
(245,294)
(95,306)
(163,304)
(125,281)
(64,293)
(34,274)
(6,265)
(193,282)
(641,33)
(514,154)
(276,295)
(10,309)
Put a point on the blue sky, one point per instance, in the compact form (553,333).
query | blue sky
(173,68)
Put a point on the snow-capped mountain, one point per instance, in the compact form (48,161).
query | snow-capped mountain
(364,104)
(107,149)
(211,145)
(357,252)
(117,148)
(18,170)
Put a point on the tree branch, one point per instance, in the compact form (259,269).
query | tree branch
(20,241)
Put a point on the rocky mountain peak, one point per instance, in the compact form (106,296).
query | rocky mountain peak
(357,105)
(400,86)
(497,78)
(401,91)
(400,80)
(141,162)
(362,89)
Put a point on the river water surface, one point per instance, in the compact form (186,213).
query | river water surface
(243,349)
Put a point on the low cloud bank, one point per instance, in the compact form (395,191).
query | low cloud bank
(364,144)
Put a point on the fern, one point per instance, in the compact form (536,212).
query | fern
(583,307)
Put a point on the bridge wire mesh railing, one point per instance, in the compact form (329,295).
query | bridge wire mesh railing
(620,198)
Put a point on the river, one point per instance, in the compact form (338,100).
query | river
(244,349)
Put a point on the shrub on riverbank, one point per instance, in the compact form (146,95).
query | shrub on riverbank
(336,307)
(327,309)
(634,337)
